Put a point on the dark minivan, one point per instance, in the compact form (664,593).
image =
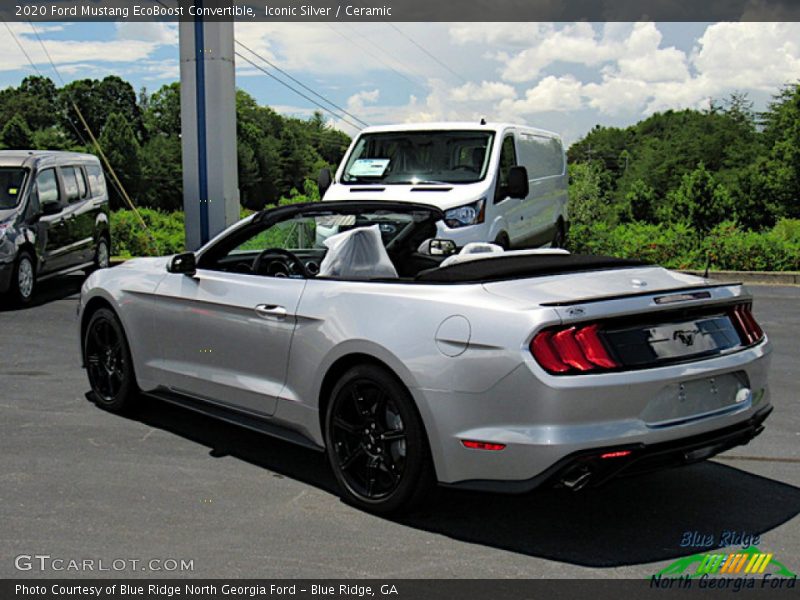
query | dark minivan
(53,218)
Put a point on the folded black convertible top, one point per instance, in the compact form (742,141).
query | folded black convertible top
(521,266)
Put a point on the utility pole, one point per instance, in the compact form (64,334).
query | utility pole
(208,128)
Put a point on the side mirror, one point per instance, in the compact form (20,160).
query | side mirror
(324,181)
(518,182)
(183,263)
(437,247)
(50,208)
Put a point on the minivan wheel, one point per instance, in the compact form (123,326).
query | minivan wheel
(101,255)
(23,281)
(108,362)
(376,442)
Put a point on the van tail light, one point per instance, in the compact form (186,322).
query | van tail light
(571,349)
(745,324)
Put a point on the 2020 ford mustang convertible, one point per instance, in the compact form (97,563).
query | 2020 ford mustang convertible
(344,327)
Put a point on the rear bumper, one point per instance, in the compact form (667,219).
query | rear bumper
(588,468)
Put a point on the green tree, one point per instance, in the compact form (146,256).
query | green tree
(699,202)
(161,184)
(122,149)
(781,171)
(16,135)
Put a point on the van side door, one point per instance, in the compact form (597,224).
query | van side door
(83,214)
(543,157)
(52,226)
(505,206)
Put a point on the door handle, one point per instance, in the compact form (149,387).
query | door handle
(271,311)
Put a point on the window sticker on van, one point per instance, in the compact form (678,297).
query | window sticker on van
(369,167)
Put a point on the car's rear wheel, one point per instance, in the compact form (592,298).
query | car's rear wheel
(376,442)
(108,362)
(23,280)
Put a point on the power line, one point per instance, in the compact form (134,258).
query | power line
(430,54)
(372,55)
(300,83)
(21,47)
(296,91)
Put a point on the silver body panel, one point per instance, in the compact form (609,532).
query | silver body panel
(461,350)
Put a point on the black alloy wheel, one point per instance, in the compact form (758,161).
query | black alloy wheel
(108,362)
(376,442)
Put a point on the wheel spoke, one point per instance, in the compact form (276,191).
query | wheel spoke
(393,435)
(372,465)
(340,423)
(345,464)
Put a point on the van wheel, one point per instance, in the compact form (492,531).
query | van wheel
(376,442)
(560,236)
(502,240)
(101,255)
(23,280)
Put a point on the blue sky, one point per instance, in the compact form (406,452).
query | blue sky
(566,77)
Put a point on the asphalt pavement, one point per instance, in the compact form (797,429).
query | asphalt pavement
(78,483)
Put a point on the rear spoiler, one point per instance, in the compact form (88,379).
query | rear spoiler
(690,292)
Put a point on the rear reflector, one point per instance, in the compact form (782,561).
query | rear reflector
(475,445)
(617,454)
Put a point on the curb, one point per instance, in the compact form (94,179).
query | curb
(763,277)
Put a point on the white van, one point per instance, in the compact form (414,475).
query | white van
(499,183)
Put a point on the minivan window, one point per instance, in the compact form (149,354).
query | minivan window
(419,157)
(97,183)
(47,184)
(11,180)
(542,156)
(71,190)
(508,159)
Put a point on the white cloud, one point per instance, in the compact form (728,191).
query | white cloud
(558,94)
(485,91)
(148,31)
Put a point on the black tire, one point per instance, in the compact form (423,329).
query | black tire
(23,279)
(107,358)
(376,442)
(560,236)
(502,240)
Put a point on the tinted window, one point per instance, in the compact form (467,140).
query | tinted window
(542,156)
(70,179)
(47,185)
(82,189)
(10,186)
(97,182)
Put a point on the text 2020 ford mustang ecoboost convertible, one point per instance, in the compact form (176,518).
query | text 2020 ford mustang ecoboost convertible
(344,327)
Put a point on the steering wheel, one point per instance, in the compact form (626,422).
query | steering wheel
(284,257)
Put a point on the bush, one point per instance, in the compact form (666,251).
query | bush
(678,246)
(164,234)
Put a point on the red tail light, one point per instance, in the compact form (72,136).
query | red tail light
(746,325)
(572,349)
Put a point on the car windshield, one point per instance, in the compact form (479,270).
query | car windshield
(11,180)
(419,157)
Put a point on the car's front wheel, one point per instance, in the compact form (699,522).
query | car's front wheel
(108,362)
(376,442)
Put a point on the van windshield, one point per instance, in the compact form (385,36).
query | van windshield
(419,157)
(11,180)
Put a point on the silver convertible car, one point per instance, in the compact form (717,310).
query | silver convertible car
(345,327)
